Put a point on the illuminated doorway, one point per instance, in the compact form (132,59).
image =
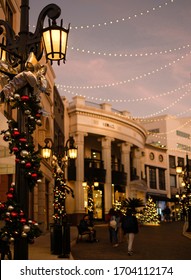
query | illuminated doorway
(98,201)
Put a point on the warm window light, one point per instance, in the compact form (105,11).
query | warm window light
(55,41)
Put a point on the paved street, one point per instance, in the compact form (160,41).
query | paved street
(164,242)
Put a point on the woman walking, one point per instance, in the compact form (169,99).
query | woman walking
(130,228)
(113,219)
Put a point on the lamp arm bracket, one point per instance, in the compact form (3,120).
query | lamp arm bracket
(52,11)
(10,34)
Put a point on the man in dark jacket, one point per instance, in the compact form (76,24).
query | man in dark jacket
(86,226)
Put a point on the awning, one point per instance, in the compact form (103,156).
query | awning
(138,185)
(158,196)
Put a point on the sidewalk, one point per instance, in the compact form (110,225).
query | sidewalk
(40,250)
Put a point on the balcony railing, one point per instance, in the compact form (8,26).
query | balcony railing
(119,177)
(94,170)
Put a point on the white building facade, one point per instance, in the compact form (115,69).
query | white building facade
(110,152)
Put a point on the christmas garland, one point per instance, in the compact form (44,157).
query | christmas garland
(16,224)
(21,144)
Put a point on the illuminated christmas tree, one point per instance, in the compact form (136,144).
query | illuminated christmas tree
(150,215)
(61,189)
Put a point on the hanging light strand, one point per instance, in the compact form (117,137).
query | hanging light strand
(141,99)
(172,104)
(149,120)
(159,69)
(131,55)
(187,122)
(121,20)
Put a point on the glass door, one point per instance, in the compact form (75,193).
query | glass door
(98,199)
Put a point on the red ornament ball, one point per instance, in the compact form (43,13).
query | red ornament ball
(25,98)
(9,195)
(28,165)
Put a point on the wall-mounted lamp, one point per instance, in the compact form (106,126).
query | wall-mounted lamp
(70,148)
(47,149)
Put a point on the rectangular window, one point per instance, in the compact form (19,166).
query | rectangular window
(173,181)
(95,154)
(155,130)
(183,134)
(172,162)
(180,161)
(183,147)
(162,185)
(152,178)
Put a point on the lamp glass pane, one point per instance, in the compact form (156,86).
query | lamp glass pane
(47,41)
(55,43)
(2,55)
(46,152)
(72,153)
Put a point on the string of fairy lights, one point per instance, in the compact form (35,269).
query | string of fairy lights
(68,88)
(120,20)
(129,55)
(124,19)
(76,90)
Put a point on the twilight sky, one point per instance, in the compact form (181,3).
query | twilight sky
(134,54)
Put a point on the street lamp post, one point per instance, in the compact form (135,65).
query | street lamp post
(61,227)
(184,172)
(22,52)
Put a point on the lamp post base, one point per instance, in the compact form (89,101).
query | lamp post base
(60,240)
(21,249)
(64,256)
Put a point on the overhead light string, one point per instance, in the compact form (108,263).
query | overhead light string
(129,55)
(124,19)
(145,75)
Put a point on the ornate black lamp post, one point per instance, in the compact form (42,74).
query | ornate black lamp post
(21,53)
(185,173)
(60,239)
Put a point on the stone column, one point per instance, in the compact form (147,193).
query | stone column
(106,156)
(79,192)
(125,159)
(137,163)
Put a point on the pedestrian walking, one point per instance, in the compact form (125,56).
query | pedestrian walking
(113,224)
(130,228)
(167,213)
